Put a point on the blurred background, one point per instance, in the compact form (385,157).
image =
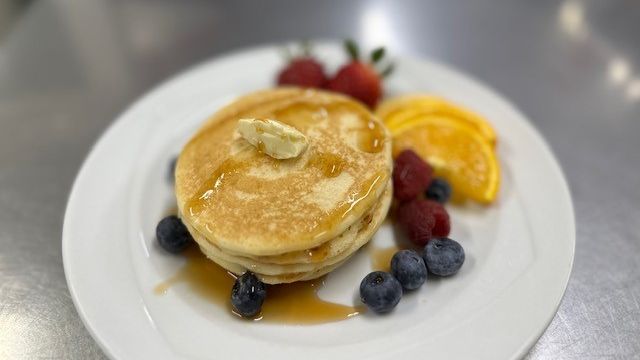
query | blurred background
(68,68)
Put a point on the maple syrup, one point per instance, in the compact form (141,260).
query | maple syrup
(356,199)
(330,165)
(318,254)
(373,138)
(298,114)
(298,302)
(220,176)
(301,113)
(173,210)
(372,135)
(381,257)
(295,303)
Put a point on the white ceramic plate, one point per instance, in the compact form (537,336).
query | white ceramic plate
(519,250)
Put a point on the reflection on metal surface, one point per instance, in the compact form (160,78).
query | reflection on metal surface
(573,22)
(55,99)
(571,19)
(375,27)
(619,70)
(633,90)
(620,74)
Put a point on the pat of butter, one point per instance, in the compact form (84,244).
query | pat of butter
(273,138)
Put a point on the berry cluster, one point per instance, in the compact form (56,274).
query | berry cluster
(421,218)
(382,291)
(426,223)
(358,79)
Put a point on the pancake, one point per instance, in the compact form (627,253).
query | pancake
(292,219)
(336,250)
(361,237)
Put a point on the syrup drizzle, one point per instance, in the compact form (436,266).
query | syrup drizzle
(295,303)
(330,165)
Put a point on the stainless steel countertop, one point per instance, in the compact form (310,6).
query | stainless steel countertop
(68,68)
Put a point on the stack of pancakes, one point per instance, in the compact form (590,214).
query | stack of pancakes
(294,219)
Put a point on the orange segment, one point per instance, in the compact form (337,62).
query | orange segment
(420,119)
(457,152)
(400,110)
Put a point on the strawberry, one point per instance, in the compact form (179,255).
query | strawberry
(359,79)
(303,71)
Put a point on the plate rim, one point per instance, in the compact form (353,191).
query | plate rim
(158,88)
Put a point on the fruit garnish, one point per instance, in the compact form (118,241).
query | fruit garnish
(380,291)
(439,190)
(416,219)
(407,111)
(303,70)
(359,79)
(457,153)
(409,269)
(442,224)
(248,294)
(411,175)
(172,235)
(443,256)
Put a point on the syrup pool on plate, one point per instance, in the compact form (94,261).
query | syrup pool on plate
(381,257)
(295,303)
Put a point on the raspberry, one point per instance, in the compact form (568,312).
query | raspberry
(411,175)
(442,225)
(417,219)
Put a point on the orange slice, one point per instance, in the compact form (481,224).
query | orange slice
(401,110)
(457,152)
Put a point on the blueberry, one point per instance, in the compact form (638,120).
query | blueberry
(443,256)
(171,174)
(380,291)
(172,235)
(248,294)
(439,190)
(409,269)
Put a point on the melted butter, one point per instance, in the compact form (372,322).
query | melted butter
(295,303)
(330,165)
